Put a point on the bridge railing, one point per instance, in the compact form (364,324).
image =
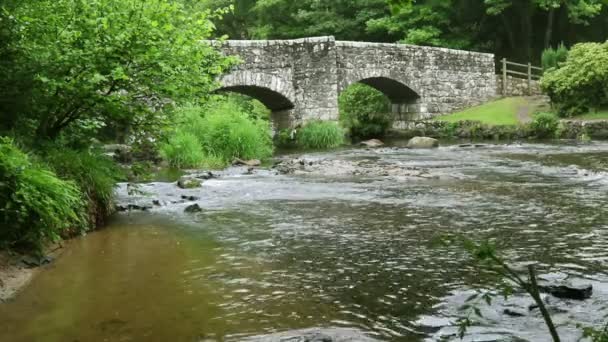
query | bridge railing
(528,71)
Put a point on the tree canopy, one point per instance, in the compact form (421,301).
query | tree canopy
(517,29)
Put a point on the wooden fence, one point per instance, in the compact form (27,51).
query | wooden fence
(518,70)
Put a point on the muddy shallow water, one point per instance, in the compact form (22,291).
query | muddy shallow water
(344,251)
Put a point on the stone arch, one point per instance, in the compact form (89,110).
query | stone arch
(274,92)
(406,98)
(398,90)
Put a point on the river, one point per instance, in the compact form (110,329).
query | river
(350,254)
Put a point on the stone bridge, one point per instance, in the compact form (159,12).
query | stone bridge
(300,80)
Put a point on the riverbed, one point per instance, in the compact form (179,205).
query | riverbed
(336,249)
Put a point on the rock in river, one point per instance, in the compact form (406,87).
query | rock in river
(422,142)
(194,208)
(568,291)
(188,183)
(252,162)
(372,143)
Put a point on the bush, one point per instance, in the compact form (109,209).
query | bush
(212,136)
(365,112)
(320,135)
(544,125)
(227,133)
(553,58)
(183,150)
(581,83)
(35,205)
(95,174)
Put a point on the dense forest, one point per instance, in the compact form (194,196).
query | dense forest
(516,29)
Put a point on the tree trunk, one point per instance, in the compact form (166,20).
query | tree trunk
(549,28)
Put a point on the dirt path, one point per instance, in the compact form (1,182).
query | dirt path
(531,106)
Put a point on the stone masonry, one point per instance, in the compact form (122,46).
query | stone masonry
(300,80)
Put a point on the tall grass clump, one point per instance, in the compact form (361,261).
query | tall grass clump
(212,136)
(230,133)
(95,174)
(320,135)
(183,150)
(36,206)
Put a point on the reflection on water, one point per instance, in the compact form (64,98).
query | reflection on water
(272,253)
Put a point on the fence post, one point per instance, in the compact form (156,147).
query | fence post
(529,79)
(504,77)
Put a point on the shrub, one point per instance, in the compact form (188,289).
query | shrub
(226,132)
(544,125)
(36,206)
(183,150)
(212,136)
(553,58)
(581,83)
(320,135)
(95,174)
(364,111)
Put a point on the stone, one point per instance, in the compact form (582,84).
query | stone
(300,80)
(422,142)
(206,176)
(372,143)
(194,208)
(157,203)
(189,183)
(241,162)
(190,198)
(514,312)
(568,290)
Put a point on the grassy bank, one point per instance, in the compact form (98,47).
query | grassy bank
(499,112)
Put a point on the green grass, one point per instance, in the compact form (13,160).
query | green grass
(599,115)
(497,113)
(320,135)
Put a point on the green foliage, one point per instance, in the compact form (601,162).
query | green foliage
(95,174)
(212,136)
(364,111)
(581,83)
(544,125)
(183,150)
(552,58)
(103,60)
(320,135)
(35,205)
(227,132)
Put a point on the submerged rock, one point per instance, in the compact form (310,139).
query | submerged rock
(568,291)
(422,142)
(189,183)
(190,198)
(194,208)
(241,162)
(372,143)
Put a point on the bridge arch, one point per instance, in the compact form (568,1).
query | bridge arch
(406,99)
(273,91)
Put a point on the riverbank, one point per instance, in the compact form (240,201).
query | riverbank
(18,270)
(564,129)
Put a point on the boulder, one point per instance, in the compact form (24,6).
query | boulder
(372,143)
(190,198)
(188,183)
(422,142)
(241,162)
(567,290)
(194,208)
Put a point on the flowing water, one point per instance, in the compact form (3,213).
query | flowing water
(273,253)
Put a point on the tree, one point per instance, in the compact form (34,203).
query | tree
(83,61)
